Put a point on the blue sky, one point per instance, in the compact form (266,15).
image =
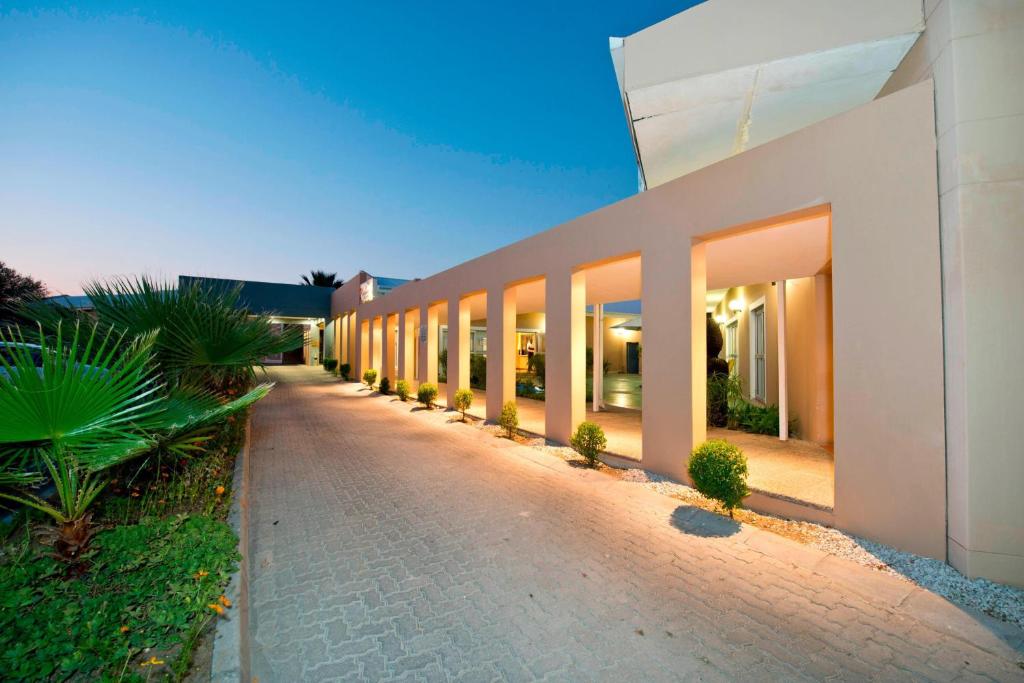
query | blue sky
(402,138)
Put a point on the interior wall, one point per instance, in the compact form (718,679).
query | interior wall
(614,339)
(808,349)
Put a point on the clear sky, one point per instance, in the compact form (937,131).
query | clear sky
(260,141)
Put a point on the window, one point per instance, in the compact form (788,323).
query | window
(758,366)
(732,350)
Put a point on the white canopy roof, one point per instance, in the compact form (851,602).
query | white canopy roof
(728,75)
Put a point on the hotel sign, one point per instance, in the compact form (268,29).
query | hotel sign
(366,291)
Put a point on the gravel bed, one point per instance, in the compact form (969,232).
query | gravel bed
(1002,602)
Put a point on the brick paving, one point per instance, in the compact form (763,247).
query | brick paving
(387,544)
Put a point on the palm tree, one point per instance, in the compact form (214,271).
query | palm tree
(72,408)
(321,278)
(203,337)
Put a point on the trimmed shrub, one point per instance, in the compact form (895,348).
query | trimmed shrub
(427,394)
(719,471)
(509,420)
(370,377)
(463,400)
(385,386)
(345,369)
(589,441)
(330,364)
(402,389)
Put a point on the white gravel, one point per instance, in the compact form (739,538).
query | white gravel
(1002,602)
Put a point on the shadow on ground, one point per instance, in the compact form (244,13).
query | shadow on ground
(697,522)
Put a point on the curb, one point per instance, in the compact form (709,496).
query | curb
(230,660)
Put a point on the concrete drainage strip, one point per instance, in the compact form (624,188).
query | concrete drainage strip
(231,640)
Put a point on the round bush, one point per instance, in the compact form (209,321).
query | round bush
(463,401)
(719,471)
(589,441)
(330,364)
(427,394)
(370,377)
(402,389)
(509,420)
(385,386)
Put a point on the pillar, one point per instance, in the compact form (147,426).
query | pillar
(363,348)
(780,308)
(343,339)
(458,346)
(566,356)
(428,344)
(675,363)
(597,350)
(501,349)
(387,358)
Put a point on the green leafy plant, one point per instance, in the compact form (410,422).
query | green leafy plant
(402,389)
(589,440)
(330,364)
(203,335)
(509,420)
(478,371)
(427,394)
(463,401)
(385,386)
(146,597)
(369,377)
(442,365)
(537,367)
(345,369)
(718,470)
(92,402)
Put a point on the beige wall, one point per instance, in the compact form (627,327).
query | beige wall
(875,168)
(974,51)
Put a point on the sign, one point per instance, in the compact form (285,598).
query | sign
(366,291)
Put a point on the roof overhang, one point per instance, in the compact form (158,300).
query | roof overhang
(728,75)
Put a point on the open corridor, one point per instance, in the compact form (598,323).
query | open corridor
(390,544)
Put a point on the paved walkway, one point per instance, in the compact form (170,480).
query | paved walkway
(389,544)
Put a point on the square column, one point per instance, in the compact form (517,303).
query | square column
(458,347)
(501,349)
(387,357)
(597,351)
(780,308)
(376,333)
(428,344)
(363,348)
(403,352)
(675,363)
(343,339)
(566,356)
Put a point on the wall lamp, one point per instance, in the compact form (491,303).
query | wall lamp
(720,318)
(737,305)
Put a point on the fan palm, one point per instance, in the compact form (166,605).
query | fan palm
(321,278)
(71,408)
(203,336)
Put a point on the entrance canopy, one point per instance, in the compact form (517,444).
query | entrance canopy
(728,75)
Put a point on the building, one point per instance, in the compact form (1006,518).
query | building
(839,187)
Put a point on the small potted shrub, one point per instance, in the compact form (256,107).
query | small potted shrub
(463,401)
(330,364)
(427,394)
(345,369)
(402,389)
(509,420)
(385,386)
(370,377)
(718,469)
(589,441)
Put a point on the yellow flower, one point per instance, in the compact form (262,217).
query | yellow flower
(224,601)
(216,608)
(124,629)
(152,661)
(200,574)
(219,490)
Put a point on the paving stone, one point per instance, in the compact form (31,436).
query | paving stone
(389,545)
